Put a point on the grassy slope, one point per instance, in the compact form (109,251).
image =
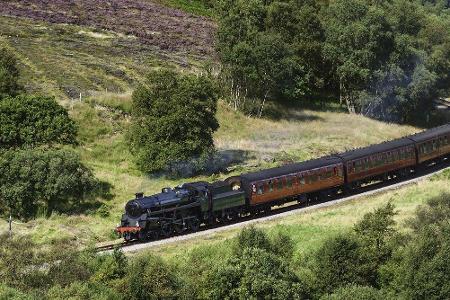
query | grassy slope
(65,60)
(308,134)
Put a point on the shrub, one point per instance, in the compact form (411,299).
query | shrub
(48,180)
(339,262)
(7,293)
(81,291)
(149,277)
(30,121)
(356,292)
(173,120)
(257,274)
(9,74)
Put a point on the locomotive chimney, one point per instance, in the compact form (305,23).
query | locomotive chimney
(139,195)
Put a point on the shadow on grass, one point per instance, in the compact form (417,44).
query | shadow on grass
(222,161)
(94,202)
(293,110)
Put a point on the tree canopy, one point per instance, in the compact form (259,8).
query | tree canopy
(173,119)
(387,60)
(31,121)
(34,180)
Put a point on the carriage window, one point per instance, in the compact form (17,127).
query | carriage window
(302,179)
(396,155)
(270,186)
(260,189)
(280,184)
(289,182)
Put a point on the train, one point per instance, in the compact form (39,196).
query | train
(188,206)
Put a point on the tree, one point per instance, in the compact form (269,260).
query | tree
(338,262)
(356,292)
(269,50)
(256,274)
(50,180)
(173,120)
(420,267)
(9,74)
(31,121)
(375,232)
(358,42)
(149,277)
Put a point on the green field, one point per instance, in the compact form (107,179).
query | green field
(65,60)
(298,134)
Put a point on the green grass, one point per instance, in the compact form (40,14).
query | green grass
(103,121)
(104,66)
(195,7)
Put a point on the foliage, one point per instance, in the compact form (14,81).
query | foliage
(356,258)
(355,292)
(387,60)
(253,267)
(83,290)
(421,266)
(111,267)
(173,120)
(257,273)
(339,262)
(268,49)
(358,41)
(7,293)
(148,277)
(9,74)
(436,212)
(34,180)
(30,121)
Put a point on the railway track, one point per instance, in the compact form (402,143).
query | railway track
(135,246)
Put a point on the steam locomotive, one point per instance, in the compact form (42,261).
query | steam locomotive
(187,206)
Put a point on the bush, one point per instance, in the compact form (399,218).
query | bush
(251,237)
(47,180)
(7,293)
(81,291)
(9,74)
(339,262)
(257,274)
(421,268)
(356,292)
(149,277)
(173,120)
(31,121)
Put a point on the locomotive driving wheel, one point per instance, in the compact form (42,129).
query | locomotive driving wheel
(179,228)
(166,230)
(194,224)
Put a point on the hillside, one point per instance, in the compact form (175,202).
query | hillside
(244,143)
(102,50)
(68,48)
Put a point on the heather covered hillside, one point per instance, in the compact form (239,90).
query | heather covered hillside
(70,47)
